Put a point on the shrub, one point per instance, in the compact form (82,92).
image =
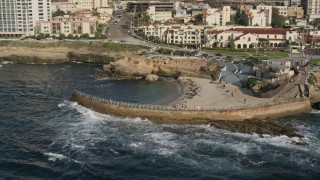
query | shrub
(312,79)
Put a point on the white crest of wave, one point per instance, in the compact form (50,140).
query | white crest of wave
(136,145)
(1,65)
(165,141)
(87,113)
(7,62)
(54,156)
(281,141)
(315,111)
(78,146)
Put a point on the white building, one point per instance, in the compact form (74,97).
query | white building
(249,38)
(18,18)
(77,5)
(268,12)
(159,15)
(283,10)
(312,8)
(185,35)
(75,25)
(217,17)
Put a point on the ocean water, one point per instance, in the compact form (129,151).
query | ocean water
(45,135)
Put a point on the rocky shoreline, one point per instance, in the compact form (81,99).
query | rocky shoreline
(189,90)
(260,127)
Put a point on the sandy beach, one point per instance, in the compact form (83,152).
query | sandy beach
(201,93)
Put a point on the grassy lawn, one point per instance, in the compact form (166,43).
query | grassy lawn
(244,54)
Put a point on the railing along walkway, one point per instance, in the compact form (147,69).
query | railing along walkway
(171,108)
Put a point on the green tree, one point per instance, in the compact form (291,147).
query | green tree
(62,36)
(70,36)
(264,43)
(277,19)
(316,22)
(85,36)
(40,36)
(243,20)
(58,13)
(174,12)
(141,18)
(47,35)
(198,19)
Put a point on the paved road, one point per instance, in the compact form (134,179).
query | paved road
(121,32)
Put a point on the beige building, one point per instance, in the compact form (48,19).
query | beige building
(159,15)
(75,25)
(77,5)
(283,10)
(295,12)
(261,16)
(185,35)
(217,17)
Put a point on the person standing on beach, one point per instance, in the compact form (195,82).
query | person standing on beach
(245,100)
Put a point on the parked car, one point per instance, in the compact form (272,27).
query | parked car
(204,55)
(218,54)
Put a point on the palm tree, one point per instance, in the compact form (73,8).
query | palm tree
(301,30)
(264,43)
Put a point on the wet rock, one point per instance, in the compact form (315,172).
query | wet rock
(152,78)
(260,127)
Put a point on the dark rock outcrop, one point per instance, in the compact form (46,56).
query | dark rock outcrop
(90,58)
(33,60)
(260,127)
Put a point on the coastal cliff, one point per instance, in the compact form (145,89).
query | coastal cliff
(136,66)
(33,52)
(315,91)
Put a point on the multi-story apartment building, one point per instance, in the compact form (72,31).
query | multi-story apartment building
(138,6)
(274,2)
(295,3)
(159,15)
(184,35)
(261,16)
(283,10)
(18,17)
(267,11)
(295,12)
(217,17)
(311,9)
(75,25)
(76,5)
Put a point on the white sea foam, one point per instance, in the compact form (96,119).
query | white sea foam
(136,145)
(78,146)
(315,111)
(114,152)
(64,104)
(54,156)
(7,62)
(165,143)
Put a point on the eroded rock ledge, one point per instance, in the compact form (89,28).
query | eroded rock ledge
(133,67)
(260,127)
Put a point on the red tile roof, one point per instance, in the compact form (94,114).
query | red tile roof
(262,31)
(215,32)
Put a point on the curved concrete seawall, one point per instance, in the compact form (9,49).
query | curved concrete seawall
(166,114)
